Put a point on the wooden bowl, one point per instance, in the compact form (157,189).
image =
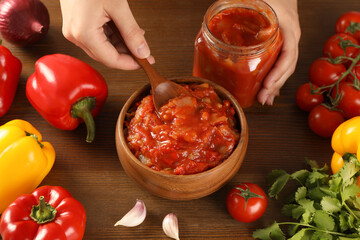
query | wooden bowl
(181,187)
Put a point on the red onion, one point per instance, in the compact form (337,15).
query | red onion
(23,22)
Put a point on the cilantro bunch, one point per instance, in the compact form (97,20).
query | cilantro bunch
(325,206)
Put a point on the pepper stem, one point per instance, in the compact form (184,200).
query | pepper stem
(43,212)
(35,137)
(82,109)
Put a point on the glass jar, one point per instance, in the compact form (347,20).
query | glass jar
(234,63)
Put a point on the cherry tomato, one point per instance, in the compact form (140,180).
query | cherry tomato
(332,46)
(324,121)
(246,202)
(356,72)
(344,25)
(324,73)
(305,99)
(350,100)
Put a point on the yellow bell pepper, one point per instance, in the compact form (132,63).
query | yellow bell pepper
(24,160)
(345,139)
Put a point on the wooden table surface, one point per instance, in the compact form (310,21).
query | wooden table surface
(279,136)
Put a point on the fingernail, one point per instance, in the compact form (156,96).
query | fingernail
(265,99)
(143,51)
(151,59)
(271,100)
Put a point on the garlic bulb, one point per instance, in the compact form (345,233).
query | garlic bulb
(135,216)
(170,226)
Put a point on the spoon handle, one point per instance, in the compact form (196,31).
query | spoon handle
(151,72)
(161,88)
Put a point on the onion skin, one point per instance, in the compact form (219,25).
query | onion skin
(23,22)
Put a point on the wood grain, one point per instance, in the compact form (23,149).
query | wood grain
(279,136)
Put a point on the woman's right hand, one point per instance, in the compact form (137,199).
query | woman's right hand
(285,65)
(83,24)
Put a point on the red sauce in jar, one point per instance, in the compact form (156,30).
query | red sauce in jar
(236,48)
(192,133)
(241,27)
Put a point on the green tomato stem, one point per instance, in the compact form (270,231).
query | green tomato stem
(335,101)
(354,61)
(247,194)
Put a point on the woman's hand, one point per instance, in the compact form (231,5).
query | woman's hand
(286,11)
(83,24)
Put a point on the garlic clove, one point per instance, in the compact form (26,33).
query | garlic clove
(135,216)
(170,226)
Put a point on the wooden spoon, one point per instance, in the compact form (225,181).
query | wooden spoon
(162,89)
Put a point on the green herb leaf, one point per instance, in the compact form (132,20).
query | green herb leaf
(328,191)
(357,214)
(349,191)
(307,204)
(330,204)
(313,164)
(293,210)
(323,220)
(273,232)
(357,202)
(326,206)
(307,217)
(348,238)
(292,229)
(290,199)
(308,235)
(351,221)
(299,235)
(347,172)
(288,208)
(300,193)
(278,179)
(274,175)
(321,236)
(300,176)
(343,223)
(335,184)
(316,177)
(317,194)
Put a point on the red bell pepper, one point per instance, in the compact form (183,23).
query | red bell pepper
(67,91)
(50,212)
(10,70)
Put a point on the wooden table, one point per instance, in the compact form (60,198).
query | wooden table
(279,135)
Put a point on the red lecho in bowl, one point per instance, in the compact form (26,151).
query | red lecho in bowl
(196,145)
